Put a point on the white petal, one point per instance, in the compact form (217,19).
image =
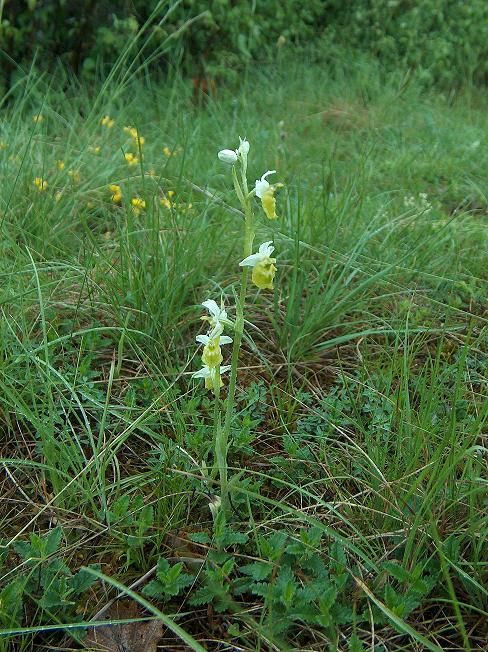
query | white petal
(212,307)
(261,187)
(224,339)
(202,339)
(217,330)
(251,260)
(266,249)
(202,373)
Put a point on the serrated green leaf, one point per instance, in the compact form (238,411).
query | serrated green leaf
(328,598)
(154,589)
(397,571)
(392,599)
(24,549)
(258,570)
(199,537)
(53,540)
(162,569)
(82,581)
(355,644)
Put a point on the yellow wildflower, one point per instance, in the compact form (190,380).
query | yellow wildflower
(107,121)
(138,204)
(170,193)
(168,152)
(57,195)
(131,159)
(3,144)
(116,193)
(94,149)
(60,165)
(75,176)
(37,118)
(165,203)
(133,133)
(41,184)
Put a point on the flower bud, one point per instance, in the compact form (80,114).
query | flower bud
(227,156)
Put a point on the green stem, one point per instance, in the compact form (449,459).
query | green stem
(223,439)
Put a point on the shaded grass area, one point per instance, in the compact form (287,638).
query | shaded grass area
(359,443)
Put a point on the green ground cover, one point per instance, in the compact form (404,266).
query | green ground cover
(357,453)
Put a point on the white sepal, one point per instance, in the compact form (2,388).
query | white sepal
(262,185)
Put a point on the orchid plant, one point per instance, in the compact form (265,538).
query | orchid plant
(263,271)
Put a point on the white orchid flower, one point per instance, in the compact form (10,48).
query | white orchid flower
(217,315)
(264,251)
(263,266)
(212,355)
(265,191)
(210,375)
(208,339)
(262,185)
(228,156)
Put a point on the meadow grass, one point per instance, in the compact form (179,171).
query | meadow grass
(358,447)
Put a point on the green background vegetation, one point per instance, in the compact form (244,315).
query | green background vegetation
(446,40)
(358,447)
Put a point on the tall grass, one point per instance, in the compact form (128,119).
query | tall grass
(371,425)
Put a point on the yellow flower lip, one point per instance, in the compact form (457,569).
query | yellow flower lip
(263,274)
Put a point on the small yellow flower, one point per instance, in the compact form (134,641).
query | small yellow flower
(60,165)
(41,184)
(165,203)
(37,118)
(57,195)
(168,152)
(116,193)
(107,121)
(131,159)
(138,204)
(3,144)
(94,149)
(75,176)
(133,133)
(263,266)
(170,193)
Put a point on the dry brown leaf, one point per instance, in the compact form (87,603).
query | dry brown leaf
(129,637)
